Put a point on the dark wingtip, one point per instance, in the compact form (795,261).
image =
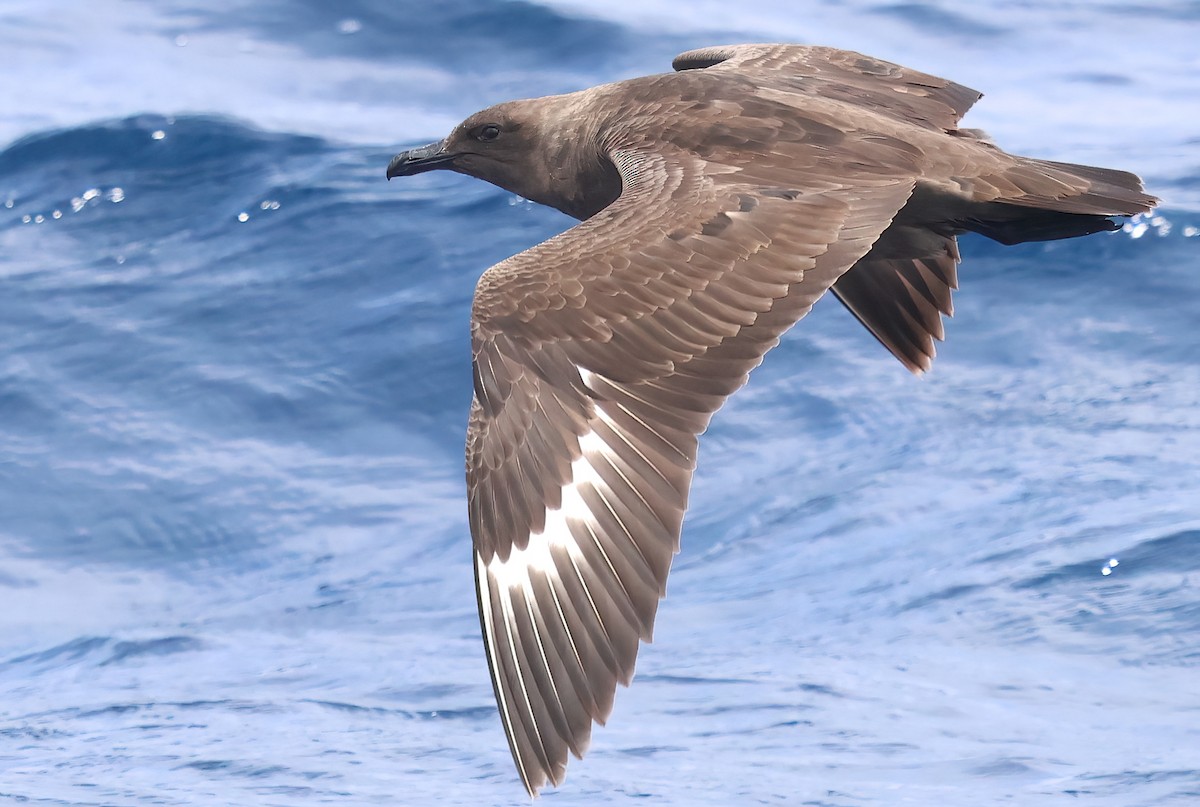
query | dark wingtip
(700,58)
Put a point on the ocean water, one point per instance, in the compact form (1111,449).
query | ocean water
(234,371)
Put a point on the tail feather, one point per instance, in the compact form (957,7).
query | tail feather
(1059,200)
(1018,225)
(1083,189)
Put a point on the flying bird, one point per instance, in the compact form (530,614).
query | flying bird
(717,204)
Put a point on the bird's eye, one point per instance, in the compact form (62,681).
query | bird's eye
(487,132)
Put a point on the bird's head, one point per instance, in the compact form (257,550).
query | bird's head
(533,148)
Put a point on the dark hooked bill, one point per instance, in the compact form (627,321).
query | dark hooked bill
(418,160)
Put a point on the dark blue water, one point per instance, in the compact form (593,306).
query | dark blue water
(234,370)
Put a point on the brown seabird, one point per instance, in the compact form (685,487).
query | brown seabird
(719,203)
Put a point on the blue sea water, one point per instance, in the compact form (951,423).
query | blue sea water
(234,370)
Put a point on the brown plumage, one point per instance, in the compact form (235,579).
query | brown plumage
(719,203)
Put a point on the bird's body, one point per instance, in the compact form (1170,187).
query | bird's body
(719,203)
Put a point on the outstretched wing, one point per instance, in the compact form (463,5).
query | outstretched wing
(844,75)
(599,357)
(901,301)
(901,297)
